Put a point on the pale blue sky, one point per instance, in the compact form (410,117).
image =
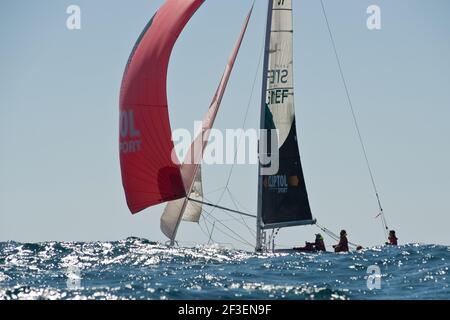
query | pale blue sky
(59,169)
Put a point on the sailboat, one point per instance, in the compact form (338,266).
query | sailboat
(151,172)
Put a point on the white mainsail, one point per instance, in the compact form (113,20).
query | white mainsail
(282,197)
(280,84)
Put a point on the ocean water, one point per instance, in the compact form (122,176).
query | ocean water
(139,269)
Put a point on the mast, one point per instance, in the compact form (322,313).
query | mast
(260,233)
(282,195)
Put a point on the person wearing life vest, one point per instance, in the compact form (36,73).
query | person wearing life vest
(393,240)
(342,246)
(319,243)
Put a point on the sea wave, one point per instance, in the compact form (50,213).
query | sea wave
(136,268)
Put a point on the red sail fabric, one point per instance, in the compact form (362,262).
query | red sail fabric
(150,170)
(174,211)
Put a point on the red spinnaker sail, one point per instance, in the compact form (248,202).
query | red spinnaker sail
(150,175)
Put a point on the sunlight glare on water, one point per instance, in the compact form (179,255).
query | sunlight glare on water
(139,269)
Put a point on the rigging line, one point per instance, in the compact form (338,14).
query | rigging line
(207,234)
(355,120)
(245,118)
(329,232)
(209,213)
(236,204)
(210,233)
(205,221)
(242,217)
(233,217)
(334,236)
(255,79)
(240,205)
(206,225)
(210,236)
(242,239)
(215,190)
(212,230)
(222,208)
(228,220)
(239,239)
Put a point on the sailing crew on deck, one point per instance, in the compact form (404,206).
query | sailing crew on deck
(393,240)
(342,246)
(317,245)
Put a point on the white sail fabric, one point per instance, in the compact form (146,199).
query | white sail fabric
(280,85)
(190,210)
(190,169)
(175,210)
(193,209)
(169,218)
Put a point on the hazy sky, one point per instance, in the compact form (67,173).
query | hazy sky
(59,160)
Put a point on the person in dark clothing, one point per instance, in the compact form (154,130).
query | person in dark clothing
(342,246)
(393,240)
(317,245)
(309,247)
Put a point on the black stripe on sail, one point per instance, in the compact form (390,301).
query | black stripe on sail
(284,195)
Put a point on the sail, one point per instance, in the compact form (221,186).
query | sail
(150,175)
(194,208)
(283,199)
(190,210)
(191,166)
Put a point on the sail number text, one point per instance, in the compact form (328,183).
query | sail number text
(278,76)
(275,78)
